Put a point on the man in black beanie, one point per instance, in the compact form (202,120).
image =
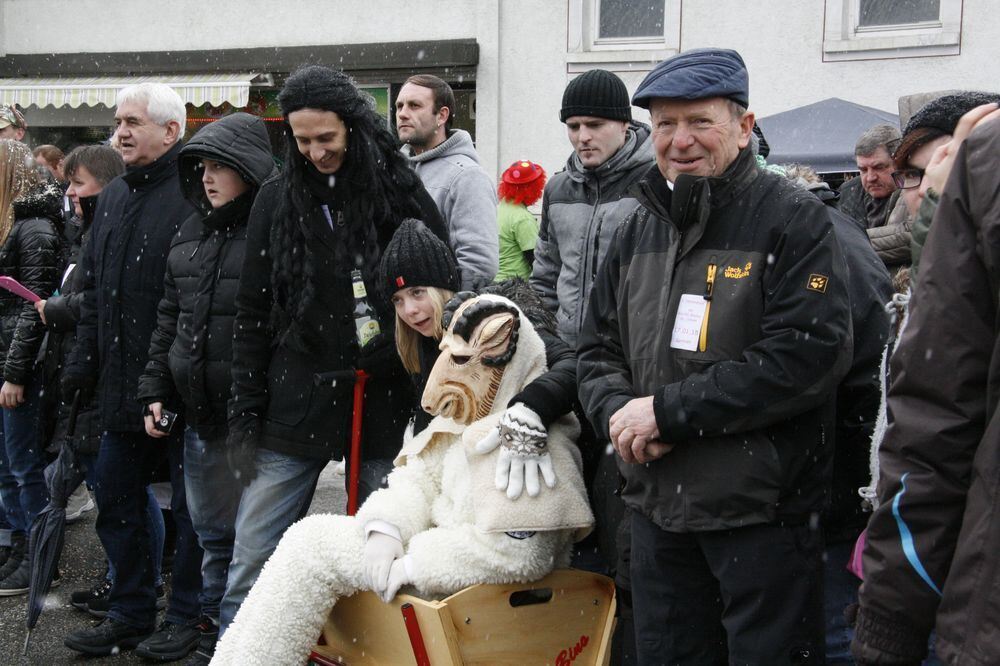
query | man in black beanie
(581,207)
(717,332)
(610,152)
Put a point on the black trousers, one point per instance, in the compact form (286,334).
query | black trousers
(751,595)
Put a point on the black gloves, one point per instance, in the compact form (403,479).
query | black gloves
(379,357)
(85,384)
(241,447)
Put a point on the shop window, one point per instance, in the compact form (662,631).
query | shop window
(610,32)
(875,29)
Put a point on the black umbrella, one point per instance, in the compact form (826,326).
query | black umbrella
(48,531)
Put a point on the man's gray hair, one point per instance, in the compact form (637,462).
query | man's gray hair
(163,104)
(875,138)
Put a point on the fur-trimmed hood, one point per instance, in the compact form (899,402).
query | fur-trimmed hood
(43,200)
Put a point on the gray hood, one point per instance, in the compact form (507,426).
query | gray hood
(459,142)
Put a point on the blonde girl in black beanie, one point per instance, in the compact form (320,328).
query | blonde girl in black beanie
(420,273)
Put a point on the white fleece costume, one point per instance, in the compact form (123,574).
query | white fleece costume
(456,528)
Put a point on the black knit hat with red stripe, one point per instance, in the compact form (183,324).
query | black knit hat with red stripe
(415,257)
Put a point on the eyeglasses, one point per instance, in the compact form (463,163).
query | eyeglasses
(907,178)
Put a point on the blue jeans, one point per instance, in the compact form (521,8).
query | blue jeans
(213,497)
(278,497)
(840,590)
(22,463)
(154,516)
(125,466)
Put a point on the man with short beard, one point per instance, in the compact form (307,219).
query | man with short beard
(446,162)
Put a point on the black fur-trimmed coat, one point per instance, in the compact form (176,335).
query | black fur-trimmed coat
(34,255)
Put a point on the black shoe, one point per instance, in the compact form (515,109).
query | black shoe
(206,644)
(18,551)
(171,641)
(19,580)
(98,605)
(109,637)
(82,598)
(4,555)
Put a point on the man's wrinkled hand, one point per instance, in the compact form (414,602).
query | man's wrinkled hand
(524,454)
(634,432)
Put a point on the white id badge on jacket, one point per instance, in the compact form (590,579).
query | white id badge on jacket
(687,325)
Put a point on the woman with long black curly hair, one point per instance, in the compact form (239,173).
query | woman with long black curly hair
(343,191)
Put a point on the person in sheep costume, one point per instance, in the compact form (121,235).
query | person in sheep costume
(440,525)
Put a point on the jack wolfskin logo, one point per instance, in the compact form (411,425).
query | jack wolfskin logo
(737,273)
(817,283)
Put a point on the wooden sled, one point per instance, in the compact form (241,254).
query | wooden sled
(565,618)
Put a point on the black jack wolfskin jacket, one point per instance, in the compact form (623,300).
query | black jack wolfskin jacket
(748,405)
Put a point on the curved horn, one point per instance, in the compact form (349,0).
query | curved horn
(473,315)
(452,305)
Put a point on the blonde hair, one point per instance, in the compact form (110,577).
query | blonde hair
(408,340)
(18,176)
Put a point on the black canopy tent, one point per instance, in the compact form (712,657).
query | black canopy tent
(821,135)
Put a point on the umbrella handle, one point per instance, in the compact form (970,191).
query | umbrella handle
(74,411)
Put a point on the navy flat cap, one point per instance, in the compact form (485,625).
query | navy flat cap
(697,74)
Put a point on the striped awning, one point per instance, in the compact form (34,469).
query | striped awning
(196,89)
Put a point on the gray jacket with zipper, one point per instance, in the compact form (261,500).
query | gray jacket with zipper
(749,409)
(580,210)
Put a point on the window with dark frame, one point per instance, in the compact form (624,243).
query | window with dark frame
(629,19)
(873,13)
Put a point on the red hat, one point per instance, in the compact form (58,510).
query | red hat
(522,182)
(522,172)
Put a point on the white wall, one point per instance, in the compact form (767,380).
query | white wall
(524,62)
(97,26)
(782,43)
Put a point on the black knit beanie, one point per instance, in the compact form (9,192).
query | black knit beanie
(944,112)
(596,93)
(415,257)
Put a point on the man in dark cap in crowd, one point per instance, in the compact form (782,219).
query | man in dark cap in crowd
(717,332)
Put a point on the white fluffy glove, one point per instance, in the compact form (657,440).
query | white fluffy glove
(524,451)
(381,550)
(399,576)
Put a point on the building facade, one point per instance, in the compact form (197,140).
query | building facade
(509,60)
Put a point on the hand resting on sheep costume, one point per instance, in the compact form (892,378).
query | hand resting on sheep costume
(440,525)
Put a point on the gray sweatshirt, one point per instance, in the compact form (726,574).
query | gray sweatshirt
(468,202)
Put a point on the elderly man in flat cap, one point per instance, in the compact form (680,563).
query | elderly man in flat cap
(717,332)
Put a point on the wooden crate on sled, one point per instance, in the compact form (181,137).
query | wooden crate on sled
(565,618)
